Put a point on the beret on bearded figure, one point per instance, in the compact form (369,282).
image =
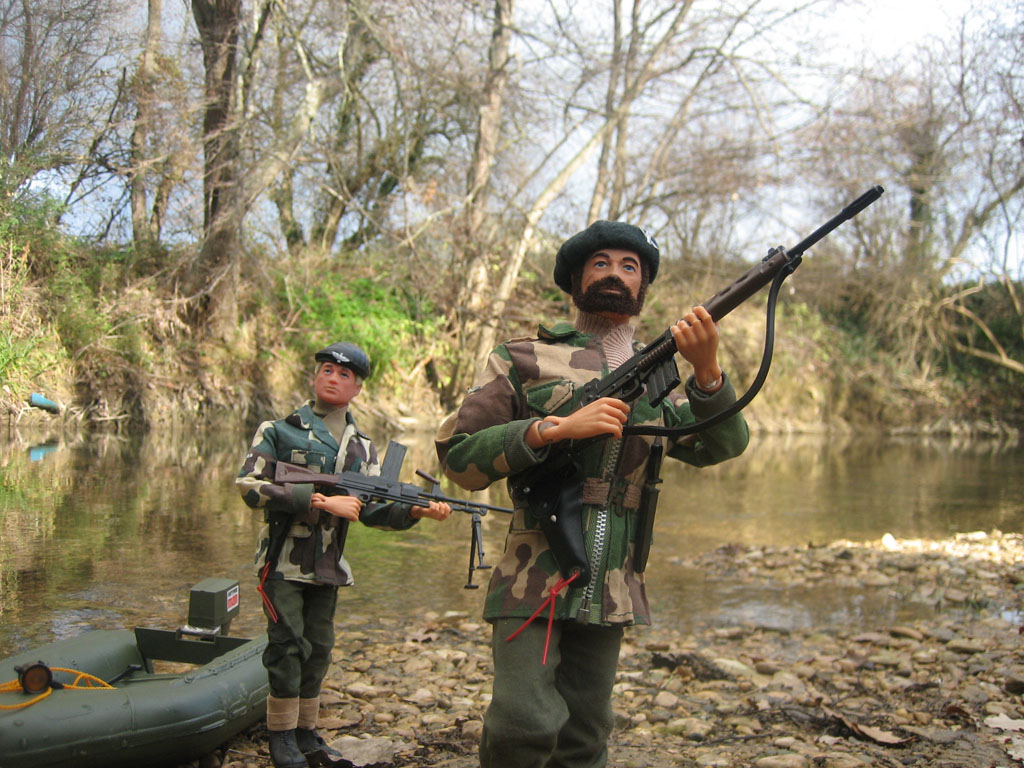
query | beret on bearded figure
(604,234)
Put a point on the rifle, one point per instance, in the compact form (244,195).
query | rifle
(387,487)
(553,489)
(654,366)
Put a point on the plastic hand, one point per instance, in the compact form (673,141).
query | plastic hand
(601,417)
(438,510)
(696,338)
(347,507)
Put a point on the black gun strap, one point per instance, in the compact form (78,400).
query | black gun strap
(741,402)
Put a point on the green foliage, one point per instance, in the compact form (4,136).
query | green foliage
(393,325)
(27,217)
(26,225)
(15,351)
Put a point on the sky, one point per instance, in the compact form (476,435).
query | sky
(887,25)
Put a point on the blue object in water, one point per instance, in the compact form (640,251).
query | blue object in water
(37,400)
(37,452)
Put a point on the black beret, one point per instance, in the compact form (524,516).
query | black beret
(348,355)
(604,234)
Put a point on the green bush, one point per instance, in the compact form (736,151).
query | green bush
(395,327)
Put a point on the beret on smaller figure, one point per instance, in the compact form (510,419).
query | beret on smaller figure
(348,355)
(604,234)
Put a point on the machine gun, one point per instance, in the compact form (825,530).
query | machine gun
(387,487)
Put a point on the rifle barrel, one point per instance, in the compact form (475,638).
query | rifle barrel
(847,213)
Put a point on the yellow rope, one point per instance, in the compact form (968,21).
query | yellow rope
(83,682)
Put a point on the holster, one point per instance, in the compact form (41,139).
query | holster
(553,492)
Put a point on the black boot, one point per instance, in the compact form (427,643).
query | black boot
(284,751)
(316,750)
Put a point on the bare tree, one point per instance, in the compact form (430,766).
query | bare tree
(53,61)
(157,161)
(934,133)
(218,23)
(664,71)
(474,295)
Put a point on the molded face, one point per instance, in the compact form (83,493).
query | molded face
(335,384)
(611,284)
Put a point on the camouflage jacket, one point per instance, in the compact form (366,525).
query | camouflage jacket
(314,543)
(484,441)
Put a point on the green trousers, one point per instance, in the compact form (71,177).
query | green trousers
(556,715)
(299,643)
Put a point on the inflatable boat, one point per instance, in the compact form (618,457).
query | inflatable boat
(142,697)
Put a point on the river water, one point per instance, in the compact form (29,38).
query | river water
(111,532)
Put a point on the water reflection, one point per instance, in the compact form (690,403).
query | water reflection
(112,532)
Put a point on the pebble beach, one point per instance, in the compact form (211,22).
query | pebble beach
(944,691)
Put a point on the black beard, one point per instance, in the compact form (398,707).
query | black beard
(597,300)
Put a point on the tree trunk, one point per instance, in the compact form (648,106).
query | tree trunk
(218,22)
(634,76)
(145,232)
(475,295)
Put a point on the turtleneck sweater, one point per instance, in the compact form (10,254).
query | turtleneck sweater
(333,416)
(616,339)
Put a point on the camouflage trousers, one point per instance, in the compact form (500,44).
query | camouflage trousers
(555,715)
(299,643)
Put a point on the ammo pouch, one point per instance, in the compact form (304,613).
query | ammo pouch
(554,494)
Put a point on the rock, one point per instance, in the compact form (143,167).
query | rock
(859,690)
(955,595)
(936,735)
(435,720)
(361,690)
(472,730)
(908,632)
(337,722)
(365,751)
(688,727)
(782,761)
(734,668)
(422,697)
(666,700)
(966,646)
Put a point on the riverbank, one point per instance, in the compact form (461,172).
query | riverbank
(942,692)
